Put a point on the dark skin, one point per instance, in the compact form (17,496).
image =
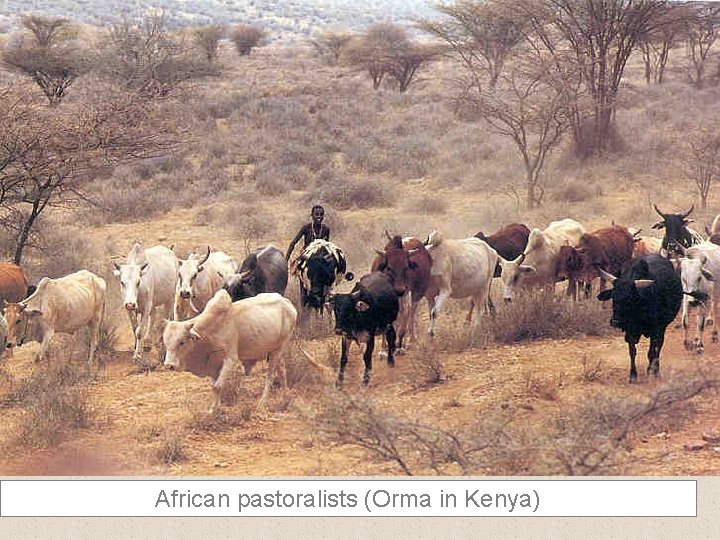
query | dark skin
(315,230)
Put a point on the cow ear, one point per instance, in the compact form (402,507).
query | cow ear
(361,306)
(200,269)
(525,269)
(180,262)
(707,275)
(605,295)
(143,267)
(194,334)
(660,225)
(643,283)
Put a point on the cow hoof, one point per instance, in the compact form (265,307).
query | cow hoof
(700,350)
(382,354)
(338,385)
(677,325)
(714,338)
(147,348)
(391,362)
(366,379)
(400,352)
(688,345)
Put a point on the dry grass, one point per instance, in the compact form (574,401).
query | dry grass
(171,448)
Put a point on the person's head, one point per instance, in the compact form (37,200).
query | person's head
(317,213)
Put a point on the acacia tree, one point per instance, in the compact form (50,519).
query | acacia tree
(702,161)
(47,155)
(207,39)
(656,45)
(245,37)
(372,52)
(483,34)
(531,105)
(50,60)
(702,33)
(601,34)
(330,45)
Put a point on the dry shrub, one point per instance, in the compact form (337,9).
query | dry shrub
(427,367)
(591,370)
(55,401)
(540,387)
(541,315)
(425,204)
(171,447)
(347,193)
(222,419)
(575,191)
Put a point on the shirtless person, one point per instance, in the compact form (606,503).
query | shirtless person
(315,230)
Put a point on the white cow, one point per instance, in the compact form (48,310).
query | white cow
(709,254)
(63,305)
(226,333)
(460,269)
(537,264)
(198,280)
(697,284)
(147,283)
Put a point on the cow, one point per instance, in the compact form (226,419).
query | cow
(63,305)
(319,267)
(408,269)
(198,278)
(460,269)
(644,245)
(537,264)
(677,232)
(713,231)
(13,283)
(264,270)
(212,343)
(645,300)
(147,281)
(710,254)
(509,242)
(368,310)
(609,248)
(697,284)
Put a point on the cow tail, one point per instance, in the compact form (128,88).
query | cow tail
(324,371)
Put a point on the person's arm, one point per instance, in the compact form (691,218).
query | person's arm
(295,240)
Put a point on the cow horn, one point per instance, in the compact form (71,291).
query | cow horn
(682,249)
(686,214)
(643,283)
(194,333)
(143,267)
(387,234)
(636,234)
(117,266)
(658,211)
(206,257)
(606,275)
(708,231)
(172,247)
(379,252)
(520,258)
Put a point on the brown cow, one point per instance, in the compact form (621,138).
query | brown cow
(509,242)
(407,263)
(610,248)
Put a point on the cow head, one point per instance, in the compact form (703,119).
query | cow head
(676,232)
(569,263)
(511,275)
(348,310)
(188,271)
(396,263)
(130,276)
(626,293)
(20,323)
(181,342)
(242,285)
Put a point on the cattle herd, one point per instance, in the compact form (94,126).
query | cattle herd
(207,315)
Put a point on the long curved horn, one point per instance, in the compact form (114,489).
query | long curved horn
(682,249)
(658,211)
(206,257)
(381,253)
(607,276)
(686,214)
(387,234)
(520,258)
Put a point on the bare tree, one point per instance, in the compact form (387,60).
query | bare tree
(532,106)
(657,43)
(46,155)
(246,38)
(207,39)
(47,31)
(702,33)
(483,34)
(702,161)
(406,60)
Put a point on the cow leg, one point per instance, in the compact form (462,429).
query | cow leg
(275,365)
(390,336)
(712,315)
(48,333)
(343,361)
(94,337)
(632,342)
(367,357)
(701,313)
(656,343)
(468,317)
(686,325)
(219,383)
(439,301)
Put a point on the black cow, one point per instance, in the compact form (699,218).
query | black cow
(369,309)
(676,231)
(646,298)
(264,270)
(319,266)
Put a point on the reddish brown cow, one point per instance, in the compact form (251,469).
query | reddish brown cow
(509,242)
(610,248)
(407,263)
(13,287)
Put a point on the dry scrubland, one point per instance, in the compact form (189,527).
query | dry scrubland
(539,390)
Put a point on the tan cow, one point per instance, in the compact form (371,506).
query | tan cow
(225,333)
(63,305)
